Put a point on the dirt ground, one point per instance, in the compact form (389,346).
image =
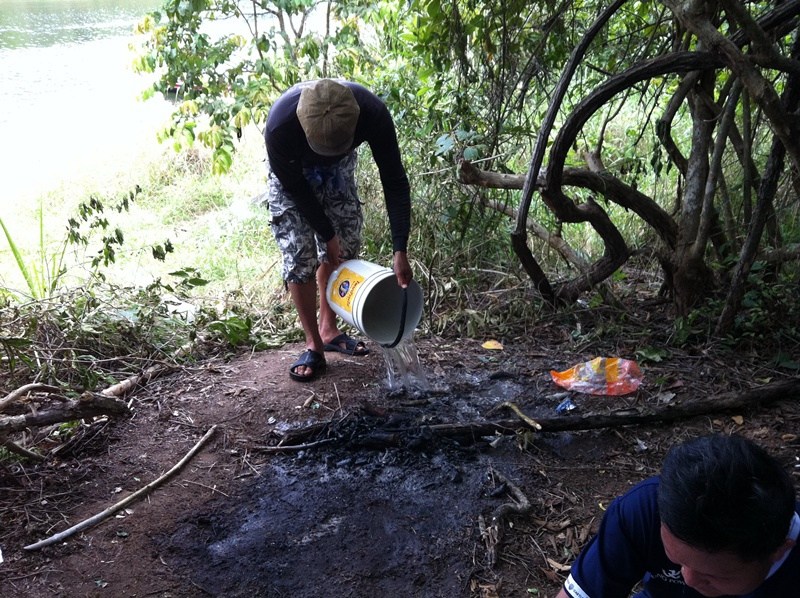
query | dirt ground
(361,499)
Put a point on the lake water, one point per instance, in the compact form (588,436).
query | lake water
(69,108)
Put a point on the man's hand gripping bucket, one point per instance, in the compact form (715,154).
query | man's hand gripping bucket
(368,297)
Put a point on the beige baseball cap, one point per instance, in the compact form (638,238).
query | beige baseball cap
(328,113)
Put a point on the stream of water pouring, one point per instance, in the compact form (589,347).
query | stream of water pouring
(403,367)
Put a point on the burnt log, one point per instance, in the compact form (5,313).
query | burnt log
(469,432)
(734,401)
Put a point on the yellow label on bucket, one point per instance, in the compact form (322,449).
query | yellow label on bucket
(344,289)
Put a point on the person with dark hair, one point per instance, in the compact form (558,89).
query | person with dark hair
(312,134)
(720,520)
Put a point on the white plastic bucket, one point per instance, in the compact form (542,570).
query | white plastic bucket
(368,297)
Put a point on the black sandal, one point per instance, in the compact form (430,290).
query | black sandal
(347,345)
(310,359)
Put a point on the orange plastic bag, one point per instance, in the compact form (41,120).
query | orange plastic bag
(611,376)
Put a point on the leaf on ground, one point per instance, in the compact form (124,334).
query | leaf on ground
(493,345)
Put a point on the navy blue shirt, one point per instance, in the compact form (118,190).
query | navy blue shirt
(288,153)
(628,549)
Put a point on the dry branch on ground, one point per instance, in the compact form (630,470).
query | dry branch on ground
(88,406)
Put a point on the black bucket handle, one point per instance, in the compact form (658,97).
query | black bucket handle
(402,322)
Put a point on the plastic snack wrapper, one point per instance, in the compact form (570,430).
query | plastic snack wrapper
(611,376)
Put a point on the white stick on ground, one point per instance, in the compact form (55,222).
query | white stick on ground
(126,501)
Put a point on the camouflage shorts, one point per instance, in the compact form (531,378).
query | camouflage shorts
(302,249)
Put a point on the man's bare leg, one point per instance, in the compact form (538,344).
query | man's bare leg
(328,329)
(304,297)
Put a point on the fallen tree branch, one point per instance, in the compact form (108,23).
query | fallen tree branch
(120,388)
(492,534)
(23,390)
(281,448)
(88,405)
(509,405)
(126,501)
(784,389)
(13,447)
(471,431)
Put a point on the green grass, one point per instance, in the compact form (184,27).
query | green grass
(101,321)
(211,221)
